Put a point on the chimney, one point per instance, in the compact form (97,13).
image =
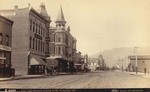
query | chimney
(16,7)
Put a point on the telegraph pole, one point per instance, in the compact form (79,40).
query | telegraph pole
(136,49)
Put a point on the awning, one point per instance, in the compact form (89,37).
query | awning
(36,60)
(51,62)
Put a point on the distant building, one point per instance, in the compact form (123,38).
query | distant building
(93,63)
(30,39)
(5,46)
(62,45)
(143,61)
(79,61)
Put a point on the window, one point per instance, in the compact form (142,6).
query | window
(43,47)
(1,38)
(39,27)
(30,42)
(33,42)
(59,50)
(36,27)
(30,24)
(40,30)
(7,40)
(39,45)
(33,26)
(59,39)
(43,32)
(56,50)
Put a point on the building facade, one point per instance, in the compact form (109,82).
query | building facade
(30,39)
(62,45)
(143,62)
(5,47)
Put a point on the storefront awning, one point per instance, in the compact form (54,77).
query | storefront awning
(36,60)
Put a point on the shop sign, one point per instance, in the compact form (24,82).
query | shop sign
(6,48)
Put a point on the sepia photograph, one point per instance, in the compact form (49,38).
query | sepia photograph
(70,45)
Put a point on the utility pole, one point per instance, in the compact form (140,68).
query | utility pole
(136,49)
(122,65)
(121,61)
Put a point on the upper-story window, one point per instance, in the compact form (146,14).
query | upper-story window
(30,41)
(7,40)
(30,24)
(39,45)
(33,26)
(33,43)
(43,46)
(40,30)
(59,50)
(36,27)
(1,38)
(58,37)
(36,45)
(43,32)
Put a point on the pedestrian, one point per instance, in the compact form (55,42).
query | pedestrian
(145,70)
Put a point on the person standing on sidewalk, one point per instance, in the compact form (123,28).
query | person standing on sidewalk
(145,70)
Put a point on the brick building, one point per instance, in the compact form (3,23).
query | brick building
(30,39)
(5,46)
(62,45)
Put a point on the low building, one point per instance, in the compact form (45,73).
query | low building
(143,62)
(5,47)
(79,62)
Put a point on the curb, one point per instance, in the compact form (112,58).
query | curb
(18,78)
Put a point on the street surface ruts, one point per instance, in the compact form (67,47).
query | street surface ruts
(108,79)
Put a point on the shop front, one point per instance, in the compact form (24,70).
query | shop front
(37,66)
(5,64)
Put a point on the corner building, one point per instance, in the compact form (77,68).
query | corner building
(29,39)
(62,46)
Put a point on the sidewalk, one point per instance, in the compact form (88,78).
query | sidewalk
(147,75)
(22,77)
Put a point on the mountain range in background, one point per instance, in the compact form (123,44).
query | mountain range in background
(113,57)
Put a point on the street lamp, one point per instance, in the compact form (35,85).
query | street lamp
(136,49)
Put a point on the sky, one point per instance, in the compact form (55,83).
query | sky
(99,24)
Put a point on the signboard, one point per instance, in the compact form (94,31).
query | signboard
(6,48)
(38,36)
